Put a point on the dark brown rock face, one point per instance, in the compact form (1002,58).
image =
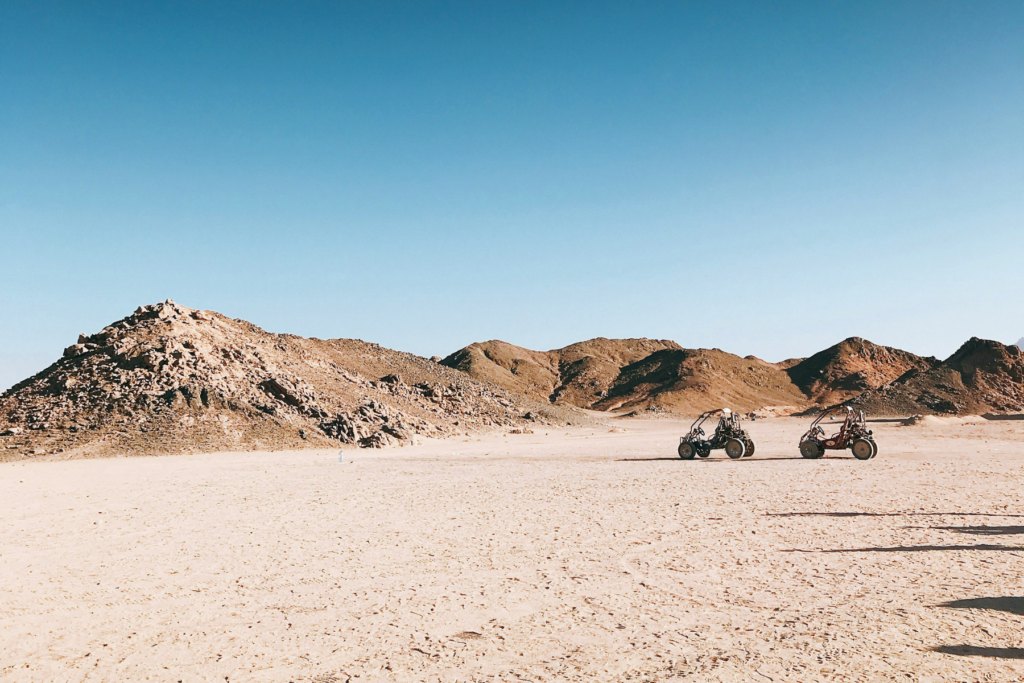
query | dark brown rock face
(852,367)
(982,376)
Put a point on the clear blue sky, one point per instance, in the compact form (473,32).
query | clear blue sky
(765,178)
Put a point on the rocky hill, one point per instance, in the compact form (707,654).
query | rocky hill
(850,368)
(580,374)
(627,375)
(519,370)
(170,379)
(638,375)
(690,381)
(982,376)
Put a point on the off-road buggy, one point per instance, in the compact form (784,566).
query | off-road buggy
(853,434)
(728,435)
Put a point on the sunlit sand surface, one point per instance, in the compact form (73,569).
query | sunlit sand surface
(590,556)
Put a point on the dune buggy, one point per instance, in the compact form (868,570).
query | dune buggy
(853,434)
(728,435)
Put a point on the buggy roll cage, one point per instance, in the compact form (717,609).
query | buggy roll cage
(703,417)
(851,417)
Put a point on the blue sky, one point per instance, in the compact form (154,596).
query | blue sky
(765,178)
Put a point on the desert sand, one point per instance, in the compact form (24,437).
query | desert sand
(579,555)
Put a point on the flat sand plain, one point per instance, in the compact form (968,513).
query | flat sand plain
(580,556)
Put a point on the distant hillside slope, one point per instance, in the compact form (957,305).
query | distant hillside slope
(169,379)
(579,374)
(631,374)
(1020,343)
(624,375)
(689,381)
(982,376)
(531,373)
(851,367)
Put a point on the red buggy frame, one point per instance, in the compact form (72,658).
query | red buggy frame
(853,434)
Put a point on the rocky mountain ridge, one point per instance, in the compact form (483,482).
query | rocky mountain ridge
(850,368)
(580,374)
(171,379)
(644,375)
(981,376)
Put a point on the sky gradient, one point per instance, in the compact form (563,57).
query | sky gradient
(765,178)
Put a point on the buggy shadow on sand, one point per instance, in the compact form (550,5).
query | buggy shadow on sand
(728,435)
(853,434)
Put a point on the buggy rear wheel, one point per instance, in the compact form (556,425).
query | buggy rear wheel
(750,449)
(811,450)
(735,448)
(687,450)
(863,449)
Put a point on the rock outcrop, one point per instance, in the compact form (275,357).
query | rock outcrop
(171,379)
(631,375)
(982,376)
(690,381)
(850,368)
(579,374)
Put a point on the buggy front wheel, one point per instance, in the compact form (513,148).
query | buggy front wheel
(811,450)
(735,448)
(687,450)
(863,449)
(750,449)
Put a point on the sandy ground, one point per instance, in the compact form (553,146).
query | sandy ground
(589,556)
